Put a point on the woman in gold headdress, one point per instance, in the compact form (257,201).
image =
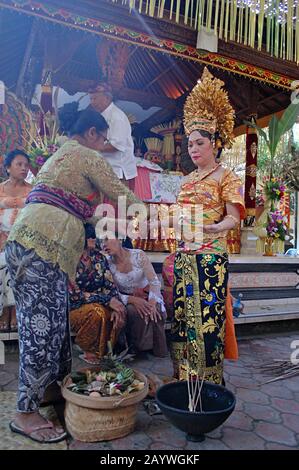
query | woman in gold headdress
(201,267)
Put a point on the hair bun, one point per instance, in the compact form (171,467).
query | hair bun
(68,116)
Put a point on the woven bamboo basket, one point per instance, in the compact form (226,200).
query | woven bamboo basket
(92,419)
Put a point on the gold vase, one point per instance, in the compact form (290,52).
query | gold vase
(269,247)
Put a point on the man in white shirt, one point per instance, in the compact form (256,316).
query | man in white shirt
(119,149)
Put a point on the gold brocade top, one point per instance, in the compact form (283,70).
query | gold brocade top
(212,195)
(56,235)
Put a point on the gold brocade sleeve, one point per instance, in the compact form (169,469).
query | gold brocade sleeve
(103,178)
(232,191)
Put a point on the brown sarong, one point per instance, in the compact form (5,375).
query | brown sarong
(93,328)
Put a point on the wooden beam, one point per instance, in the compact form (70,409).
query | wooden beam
(261,102)
(27,55)
(163,115)
(166,29)
(144,98)
(262,122)
(253,99)
(158,77)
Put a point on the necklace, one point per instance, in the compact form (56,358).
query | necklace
(204,173)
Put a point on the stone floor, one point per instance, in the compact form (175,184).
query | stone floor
(266,416)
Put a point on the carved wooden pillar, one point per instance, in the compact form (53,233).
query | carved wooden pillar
(251,157)
(250,175)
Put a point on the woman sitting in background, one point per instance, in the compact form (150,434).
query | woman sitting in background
(96,314)
(13,193)
(140,291)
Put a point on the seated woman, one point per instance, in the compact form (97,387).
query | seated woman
(97,315)
(13,193)
(140,291)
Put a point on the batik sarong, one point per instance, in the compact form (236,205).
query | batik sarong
(41,295)
(198,333)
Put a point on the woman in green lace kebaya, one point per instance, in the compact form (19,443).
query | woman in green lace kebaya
(42,253)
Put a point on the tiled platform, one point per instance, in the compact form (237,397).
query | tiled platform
(266,416)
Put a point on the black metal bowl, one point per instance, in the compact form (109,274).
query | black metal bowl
(217,405)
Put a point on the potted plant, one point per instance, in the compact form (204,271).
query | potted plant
(102,402)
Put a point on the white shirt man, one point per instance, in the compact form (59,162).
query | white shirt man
(119,150)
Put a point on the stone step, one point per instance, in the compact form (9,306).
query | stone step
(254,314)
(267,302)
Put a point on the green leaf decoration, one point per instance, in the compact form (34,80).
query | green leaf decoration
(274,136)
(260,131)
(288,119)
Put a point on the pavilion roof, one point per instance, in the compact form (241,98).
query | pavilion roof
(162,64)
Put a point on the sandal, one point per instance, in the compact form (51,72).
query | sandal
(30,430)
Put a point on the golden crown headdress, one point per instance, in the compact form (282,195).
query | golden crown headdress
(208,108)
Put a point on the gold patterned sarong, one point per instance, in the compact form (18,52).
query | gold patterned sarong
(198,333)
(93,328)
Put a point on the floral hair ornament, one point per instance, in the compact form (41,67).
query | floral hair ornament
(208,108)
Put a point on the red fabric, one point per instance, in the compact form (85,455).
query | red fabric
(231,346)
(131,184)
(142,184)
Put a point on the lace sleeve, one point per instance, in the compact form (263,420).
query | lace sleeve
(124,298)
(151,276)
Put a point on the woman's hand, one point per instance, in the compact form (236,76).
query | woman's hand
(118,313)
(117,319)
(143,307)
(140,292)
(117,305)
(212,228)
(156,315)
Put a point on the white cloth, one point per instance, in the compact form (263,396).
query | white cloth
(141,276)
(119,135)
(141,162)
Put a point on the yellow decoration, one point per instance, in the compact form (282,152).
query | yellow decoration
(167,131)
(232,18)
(269,247)
(208,108)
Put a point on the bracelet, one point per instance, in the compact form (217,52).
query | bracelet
(229,216)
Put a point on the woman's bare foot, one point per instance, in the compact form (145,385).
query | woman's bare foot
(5,320)
(90,358)
(31,424)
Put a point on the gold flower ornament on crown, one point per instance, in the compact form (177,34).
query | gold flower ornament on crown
(208,108)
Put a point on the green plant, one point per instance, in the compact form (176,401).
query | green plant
(290,171)
(277,128)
